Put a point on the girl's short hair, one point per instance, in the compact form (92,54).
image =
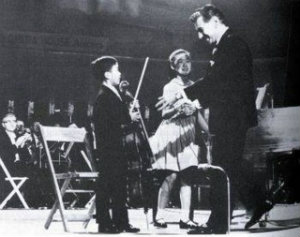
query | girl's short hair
(173,58)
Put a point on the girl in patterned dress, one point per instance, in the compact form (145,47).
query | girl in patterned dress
(173,144)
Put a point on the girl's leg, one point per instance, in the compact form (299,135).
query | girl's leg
(164,195)
(185,199)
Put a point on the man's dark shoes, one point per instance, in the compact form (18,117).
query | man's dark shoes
(160,223)
(108,229)
(206,230)
(258,213)
(129,229)
(201,230)
(187,225)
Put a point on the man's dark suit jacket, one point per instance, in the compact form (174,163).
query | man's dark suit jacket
(8,152)
(110,115)
(228,88)
(8,155)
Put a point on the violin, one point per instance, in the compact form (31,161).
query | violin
(138,138)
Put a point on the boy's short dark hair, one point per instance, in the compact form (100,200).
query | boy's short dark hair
(102,65)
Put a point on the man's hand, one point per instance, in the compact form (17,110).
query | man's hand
(20,142)
(188,109)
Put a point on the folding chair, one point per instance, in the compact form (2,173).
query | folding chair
(16,187)
(71,136)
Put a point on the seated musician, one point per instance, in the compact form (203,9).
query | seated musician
(8,148)
(9,152)
(110,116)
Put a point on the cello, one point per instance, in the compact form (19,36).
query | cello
(138,140)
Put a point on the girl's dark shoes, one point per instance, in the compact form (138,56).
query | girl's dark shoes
(187,225)
(160,223)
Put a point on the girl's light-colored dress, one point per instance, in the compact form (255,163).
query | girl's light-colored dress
(173,143)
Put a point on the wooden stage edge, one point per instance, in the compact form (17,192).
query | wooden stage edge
(283,221)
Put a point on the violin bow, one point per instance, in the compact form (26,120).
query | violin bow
(135,99)
(140,83)
(142,122)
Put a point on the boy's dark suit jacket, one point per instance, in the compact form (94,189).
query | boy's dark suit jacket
(110,116)
(228,88)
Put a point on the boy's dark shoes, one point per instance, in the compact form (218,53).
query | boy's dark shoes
(129,229)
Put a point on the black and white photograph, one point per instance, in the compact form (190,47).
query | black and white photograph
(150,117)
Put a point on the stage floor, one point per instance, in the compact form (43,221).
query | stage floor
(283,222)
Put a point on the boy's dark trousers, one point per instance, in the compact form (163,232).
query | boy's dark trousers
(111,186)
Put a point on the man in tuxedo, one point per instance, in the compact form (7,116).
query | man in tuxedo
(110,117)
(228,91)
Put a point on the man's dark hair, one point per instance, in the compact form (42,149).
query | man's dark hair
(207,12)
(101,65)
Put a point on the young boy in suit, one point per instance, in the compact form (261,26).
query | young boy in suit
(110,117)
